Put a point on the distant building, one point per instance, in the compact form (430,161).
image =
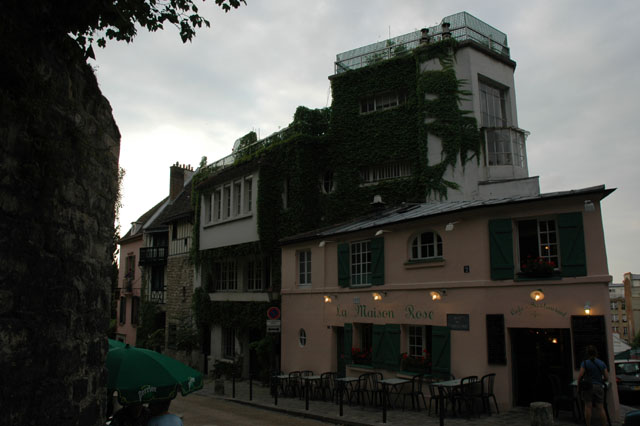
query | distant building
(620,323)
(632,297)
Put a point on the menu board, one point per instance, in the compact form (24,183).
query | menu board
(588,330)
(496,341)
(458,321)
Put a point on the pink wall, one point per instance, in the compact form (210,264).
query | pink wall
(129,247)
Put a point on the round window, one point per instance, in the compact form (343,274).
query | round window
(303,337)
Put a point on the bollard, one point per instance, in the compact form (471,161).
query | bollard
(384,406)
(340,391)
(275,394)
(442,405)
(250,387)
(233,386)
(306,395)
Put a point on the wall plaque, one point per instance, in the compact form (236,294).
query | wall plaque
(458,322)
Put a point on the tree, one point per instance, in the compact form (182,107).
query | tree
(98,20)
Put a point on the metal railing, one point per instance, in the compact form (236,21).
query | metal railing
(153,255)
(463,26)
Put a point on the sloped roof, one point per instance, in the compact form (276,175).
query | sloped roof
(148,215)
(409,212)
(180,208)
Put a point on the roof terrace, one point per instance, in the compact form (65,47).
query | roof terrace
(461,26)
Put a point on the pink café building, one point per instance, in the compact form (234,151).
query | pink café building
(515,286)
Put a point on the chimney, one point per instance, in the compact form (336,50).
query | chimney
(176,181)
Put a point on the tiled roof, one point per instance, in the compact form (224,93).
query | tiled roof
(143,220)
(409,212)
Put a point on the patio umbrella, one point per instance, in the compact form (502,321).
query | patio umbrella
(113,344)
(140,375)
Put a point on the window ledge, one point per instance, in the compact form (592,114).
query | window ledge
(425,263)
(360,367)
(227,220)
(554,276)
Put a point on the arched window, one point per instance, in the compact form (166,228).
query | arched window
(426,245)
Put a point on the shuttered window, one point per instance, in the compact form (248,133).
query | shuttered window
(440,350)
(501,249)
(386,346)
(361,263)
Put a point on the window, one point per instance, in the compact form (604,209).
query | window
(614,305)
(417,341)
(225,276)
(622,305)
(625,331)
(615,329)
(217,205)
(135,310)
(493,105)
(426,246)
(237,194)
(624,317)
(248,189)
(326,182)
(123,310)
(385,171)
(227,201)
(157,284)
(537,238)
(302,337)
(559,239)
(208,217)
(360,263)
(304,267)
(382,101)
(614,317)
(254,274)
(229,343)
(130,268)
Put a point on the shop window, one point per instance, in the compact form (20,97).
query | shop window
(302,337)
(427,245)
(538,241)
(229,343)
(304,267)
(361,263)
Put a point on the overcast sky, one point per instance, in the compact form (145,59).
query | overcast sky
(577,86)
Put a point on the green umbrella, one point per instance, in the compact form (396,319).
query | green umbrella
(141,375)
(113,344)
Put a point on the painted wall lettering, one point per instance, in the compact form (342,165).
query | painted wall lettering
(412,313)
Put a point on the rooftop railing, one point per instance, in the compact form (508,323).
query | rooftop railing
(461,26)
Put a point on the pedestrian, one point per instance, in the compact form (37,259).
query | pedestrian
(596,370)
(160,415)
(131,415)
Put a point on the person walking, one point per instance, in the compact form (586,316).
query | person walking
(160,415)
(597,372)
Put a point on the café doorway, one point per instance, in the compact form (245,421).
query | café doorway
(536,353)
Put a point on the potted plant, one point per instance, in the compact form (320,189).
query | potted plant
(417,364)
(361,356)
(537,267)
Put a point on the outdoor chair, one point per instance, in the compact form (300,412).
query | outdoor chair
(466,394)
(562,400)
(367,388)
(292,387)
(436,395)
(302,388)
(487,392)
(326,389)
(415,393)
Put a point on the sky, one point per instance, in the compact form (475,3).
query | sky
(577,83)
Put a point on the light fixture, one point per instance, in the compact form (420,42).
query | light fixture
(324,243)
(537,295)
(378,296)
(587,308)
(327,298)
(588,206)
(437,294)
(449,227)
(380,232)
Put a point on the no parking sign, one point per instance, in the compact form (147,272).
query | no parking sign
(273,313)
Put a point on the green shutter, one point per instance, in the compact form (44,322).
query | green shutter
(501,249)
(344,269)
(386,346)
(377,261)
(348,341)
(573,259)
(440,350)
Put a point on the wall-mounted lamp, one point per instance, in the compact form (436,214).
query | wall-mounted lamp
(537,295)
(380,232)
(327,298)
(449,227)
(378,296)
(588,206)
(324,243)
(437,294)
(587,308)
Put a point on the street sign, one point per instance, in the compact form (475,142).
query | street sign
(273,313)
(273,326)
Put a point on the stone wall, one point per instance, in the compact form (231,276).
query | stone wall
(180,274)
(59,148)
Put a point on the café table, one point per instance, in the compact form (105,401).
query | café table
(447,389)
(395,385)
(281,382)
(346,384)
(309,381)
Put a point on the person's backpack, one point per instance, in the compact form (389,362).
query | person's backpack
(585,382)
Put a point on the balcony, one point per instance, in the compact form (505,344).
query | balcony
(157,296)
(153,255)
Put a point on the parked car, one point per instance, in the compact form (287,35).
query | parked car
(628,375)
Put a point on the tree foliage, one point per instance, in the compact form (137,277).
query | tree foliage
(98,20)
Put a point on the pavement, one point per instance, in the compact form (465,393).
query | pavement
(354,415)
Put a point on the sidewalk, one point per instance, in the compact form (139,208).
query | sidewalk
(360,416)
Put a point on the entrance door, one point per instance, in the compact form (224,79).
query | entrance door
(536,353)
